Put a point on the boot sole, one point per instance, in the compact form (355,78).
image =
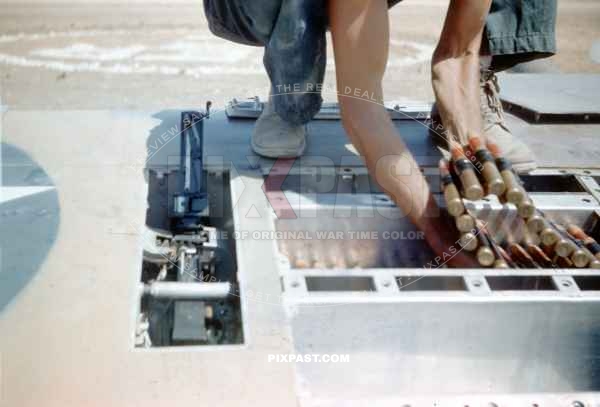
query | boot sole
(278,153)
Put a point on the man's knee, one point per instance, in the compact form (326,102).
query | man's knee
(240,21)
(296,108)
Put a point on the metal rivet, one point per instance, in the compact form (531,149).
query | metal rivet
(566,283)
(477,283)
(295,284)
(577,403)
(386,284)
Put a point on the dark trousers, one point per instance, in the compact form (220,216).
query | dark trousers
(518,31)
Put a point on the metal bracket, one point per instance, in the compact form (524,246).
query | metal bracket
(191,202)
(252,108)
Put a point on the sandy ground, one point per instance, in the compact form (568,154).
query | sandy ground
(133,55)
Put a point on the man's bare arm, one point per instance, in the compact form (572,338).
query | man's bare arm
(360,35)
(455,68)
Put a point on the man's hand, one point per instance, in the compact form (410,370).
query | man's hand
(442,236)
(455,69)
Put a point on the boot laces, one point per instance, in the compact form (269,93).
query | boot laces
(491,89)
